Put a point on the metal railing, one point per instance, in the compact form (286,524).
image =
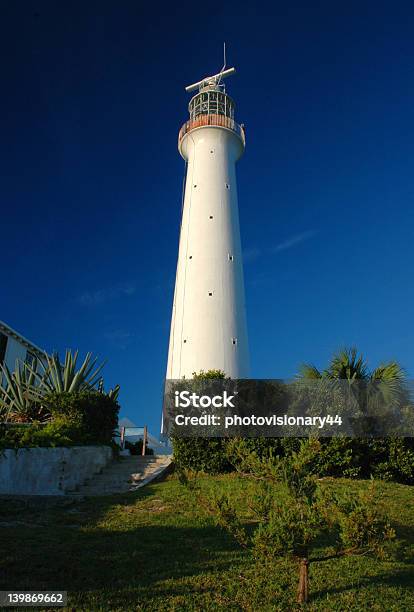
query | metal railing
(125,431)
(214,120)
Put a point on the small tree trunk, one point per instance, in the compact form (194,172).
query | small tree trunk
(303,588)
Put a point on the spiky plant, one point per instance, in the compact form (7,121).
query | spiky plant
(27,392)
(114,393)
(20,398)
(67,377)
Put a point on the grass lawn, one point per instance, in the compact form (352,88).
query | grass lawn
(157,550)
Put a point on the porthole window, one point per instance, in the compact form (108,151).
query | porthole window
(234,341)
(227,186)
(230,257)
(190,257)
(185,341)
(211,216)
(210,293)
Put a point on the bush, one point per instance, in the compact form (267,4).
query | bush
(385,458)
(59,432)
(95,414)
(341,457)
(201,455)
(263,448)
(87,417)
(399,462)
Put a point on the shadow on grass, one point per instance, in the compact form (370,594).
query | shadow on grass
(52,553)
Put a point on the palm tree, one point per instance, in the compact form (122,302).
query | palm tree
(384,386)
(344,365)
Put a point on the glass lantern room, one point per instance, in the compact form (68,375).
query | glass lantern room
(211,101)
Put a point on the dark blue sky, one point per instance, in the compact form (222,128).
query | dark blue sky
(92,97)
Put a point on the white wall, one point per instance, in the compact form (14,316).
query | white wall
(49,471)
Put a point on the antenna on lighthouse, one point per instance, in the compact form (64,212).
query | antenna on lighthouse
(215,79)
(224,64)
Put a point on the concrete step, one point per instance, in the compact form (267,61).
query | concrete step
(125,474)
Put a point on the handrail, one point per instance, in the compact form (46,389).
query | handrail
(144,436)
(214,120)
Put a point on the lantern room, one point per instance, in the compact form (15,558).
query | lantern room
(211,100)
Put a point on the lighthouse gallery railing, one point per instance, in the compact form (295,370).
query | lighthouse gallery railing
(215,120)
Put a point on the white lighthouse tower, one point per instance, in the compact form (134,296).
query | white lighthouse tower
(208,326)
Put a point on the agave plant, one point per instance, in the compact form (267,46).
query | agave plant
(20,398)
(25,394)
(67,377)
(114,393)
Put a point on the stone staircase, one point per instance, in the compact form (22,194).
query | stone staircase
(124,474)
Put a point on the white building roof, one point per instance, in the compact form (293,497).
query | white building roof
(6,329)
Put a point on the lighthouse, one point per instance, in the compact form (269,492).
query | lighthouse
(208,323)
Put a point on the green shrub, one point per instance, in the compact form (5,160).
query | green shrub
(87,417)
(398,464)
(59,432)
(263,448)
(95,413)
(201,455)
(340,457)
(385,458)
